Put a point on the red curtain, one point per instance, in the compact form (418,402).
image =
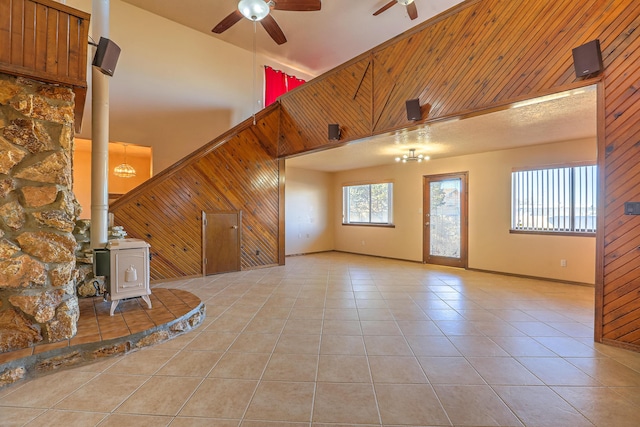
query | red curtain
(293,82)
(276,83)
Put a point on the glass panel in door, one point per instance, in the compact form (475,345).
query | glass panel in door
(445,227)
(445,218)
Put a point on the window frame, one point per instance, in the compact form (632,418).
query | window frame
(572,220)
(345,205)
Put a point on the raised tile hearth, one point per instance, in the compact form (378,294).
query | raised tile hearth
(133,326)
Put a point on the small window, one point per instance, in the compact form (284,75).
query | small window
(554,200)
(367,204)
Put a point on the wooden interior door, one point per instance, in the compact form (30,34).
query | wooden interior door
(445,219)
(221,241)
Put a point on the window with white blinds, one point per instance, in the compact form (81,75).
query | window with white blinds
(554,199)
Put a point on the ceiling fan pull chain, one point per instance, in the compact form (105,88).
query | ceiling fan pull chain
(253,90)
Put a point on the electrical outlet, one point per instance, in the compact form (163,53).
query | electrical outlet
(632,208)
(563,263)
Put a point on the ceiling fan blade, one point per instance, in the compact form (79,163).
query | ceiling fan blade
(297,5)
(274,30)
(412,10)
(385,7)
(227,22)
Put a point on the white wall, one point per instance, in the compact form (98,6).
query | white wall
(174,88)
(491,246)
(309,210)
(402,242)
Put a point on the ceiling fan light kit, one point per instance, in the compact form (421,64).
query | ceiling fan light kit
(253,10)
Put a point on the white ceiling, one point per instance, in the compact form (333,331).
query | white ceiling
(560,117)
(343,29)
(317,41)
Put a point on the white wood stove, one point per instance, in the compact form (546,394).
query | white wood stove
(128,271)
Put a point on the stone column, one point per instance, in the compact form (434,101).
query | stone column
(38,210)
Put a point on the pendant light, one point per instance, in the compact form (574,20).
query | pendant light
(124,170)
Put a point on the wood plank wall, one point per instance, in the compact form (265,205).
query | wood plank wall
(237,171)
(618,305)
(485,54)
(46,41)
(477,56)
(344,98)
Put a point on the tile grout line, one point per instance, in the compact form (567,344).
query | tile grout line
(114,410)
(373,387)
(273,349)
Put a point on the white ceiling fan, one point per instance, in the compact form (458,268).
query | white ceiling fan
(259,10)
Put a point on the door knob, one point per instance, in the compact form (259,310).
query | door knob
(235,227)
(426,223)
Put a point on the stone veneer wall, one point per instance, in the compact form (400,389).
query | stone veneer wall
(38,212)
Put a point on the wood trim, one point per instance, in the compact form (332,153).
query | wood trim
(364,73)
(367,224)
(554,166)
(309,253)
(377,256)
(600,220)
(240,240)
(526,276)
(384,106)
(553,233)
(203,248)
(63,7)
(620,344)
(281,212)
(80,101)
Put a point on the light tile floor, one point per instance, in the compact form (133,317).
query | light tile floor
(337,339)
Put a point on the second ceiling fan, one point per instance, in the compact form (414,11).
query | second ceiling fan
(412,10)
(259,10)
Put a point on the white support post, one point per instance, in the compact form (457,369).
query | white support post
(99,135)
